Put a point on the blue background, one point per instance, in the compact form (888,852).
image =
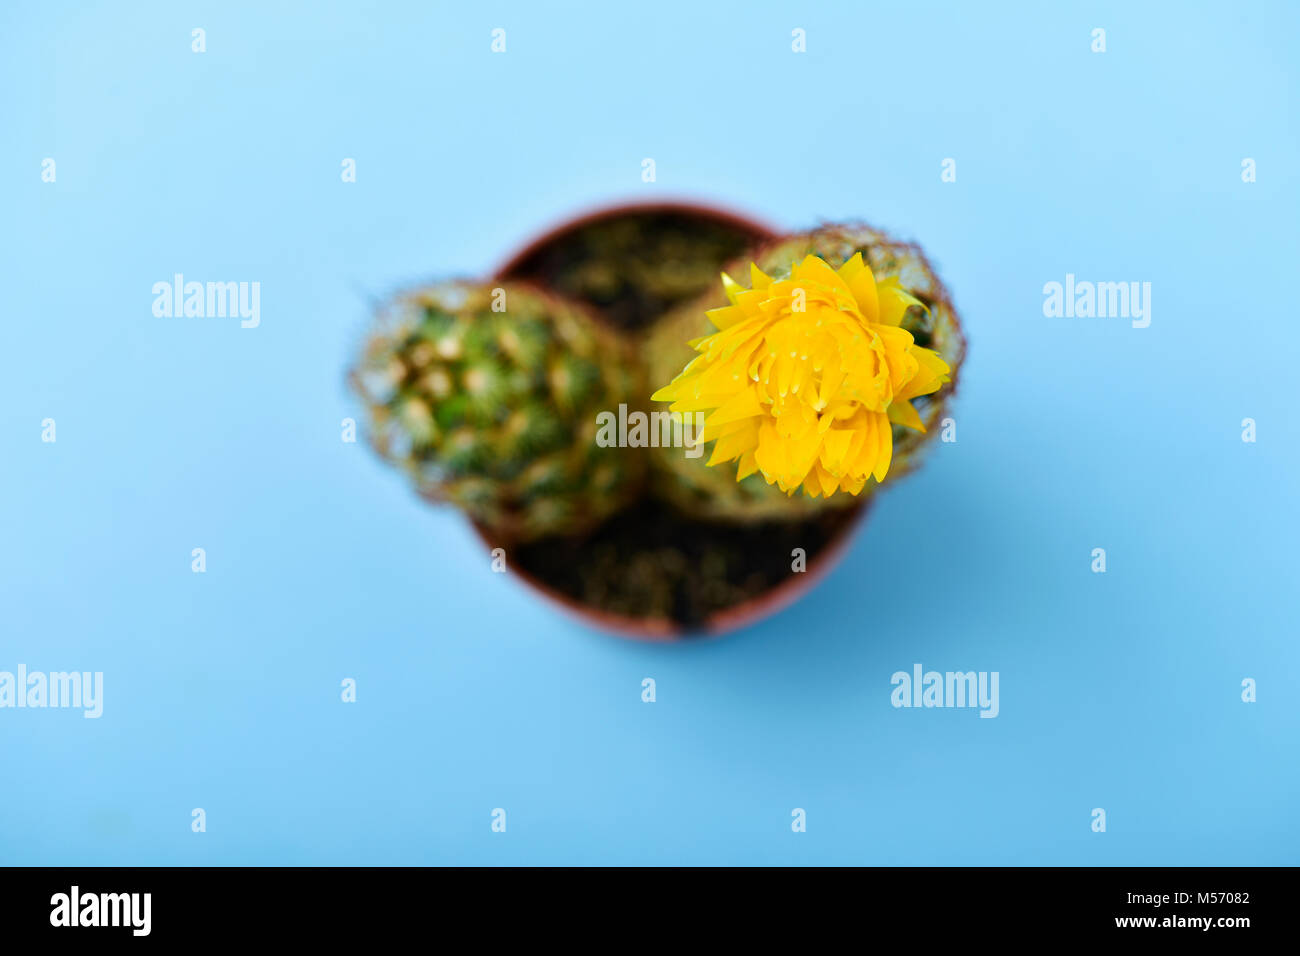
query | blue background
(1119,691)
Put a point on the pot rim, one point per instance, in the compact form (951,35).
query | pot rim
(597,211)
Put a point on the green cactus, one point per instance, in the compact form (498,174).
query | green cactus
(688,483)
(488,396)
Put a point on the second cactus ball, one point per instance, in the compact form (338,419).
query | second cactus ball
(487,396)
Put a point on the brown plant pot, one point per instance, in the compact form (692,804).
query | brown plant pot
(523,265)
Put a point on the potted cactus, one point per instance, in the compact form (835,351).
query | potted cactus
(488,395)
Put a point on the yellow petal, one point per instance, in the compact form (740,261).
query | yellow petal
(865,461)
(814,268)
(747,466)
(931,374)
(666,394)
(741,405)
(731,446)
(852,267)
(902,413)
(863,287)
(894,301)
(884,445)
(725,317)
(835,447)
(827,482)
(852,485)
(731,287)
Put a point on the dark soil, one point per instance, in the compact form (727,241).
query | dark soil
(651,561)
(648,561)
(634,267)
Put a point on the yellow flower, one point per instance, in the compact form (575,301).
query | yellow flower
(805,376)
